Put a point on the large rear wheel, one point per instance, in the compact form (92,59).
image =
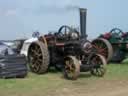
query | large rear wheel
(103,47)
(38,57)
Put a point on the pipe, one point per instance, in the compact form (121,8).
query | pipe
(83,16)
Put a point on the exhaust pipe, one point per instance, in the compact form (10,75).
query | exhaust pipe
(83,16)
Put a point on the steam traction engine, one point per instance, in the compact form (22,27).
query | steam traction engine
(113,45)
(68,50)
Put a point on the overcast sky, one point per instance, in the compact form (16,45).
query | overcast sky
(19,18)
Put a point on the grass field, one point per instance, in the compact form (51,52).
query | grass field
(53,84)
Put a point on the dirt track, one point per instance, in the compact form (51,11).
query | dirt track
(101,88)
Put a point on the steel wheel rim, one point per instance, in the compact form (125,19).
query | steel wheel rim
(100,48)
(99,69)
(35,57)
(70,67)
(103,47)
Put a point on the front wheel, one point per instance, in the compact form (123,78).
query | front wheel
(99,63)
(71,68)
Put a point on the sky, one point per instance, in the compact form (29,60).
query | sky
(20,18)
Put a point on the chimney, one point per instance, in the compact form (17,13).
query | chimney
(83,15)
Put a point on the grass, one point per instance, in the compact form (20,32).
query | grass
(116,71)
(53,82)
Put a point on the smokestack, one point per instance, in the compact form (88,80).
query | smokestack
(83,15)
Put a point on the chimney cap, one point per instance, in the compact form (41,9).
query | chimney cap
(83,9)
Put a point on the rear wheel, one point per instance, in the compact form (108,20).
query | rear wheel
(38,57)
(99,63)
(103,47)
(71,68)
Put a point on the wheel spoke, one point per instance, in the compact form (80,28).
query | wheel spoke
(103,47)
(99,69)
(71,68)
(35,60)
